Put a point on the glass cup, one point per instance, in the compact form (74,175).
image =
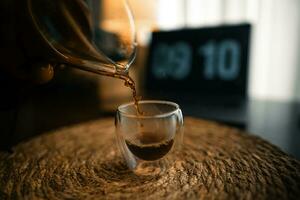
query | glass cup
(147,139)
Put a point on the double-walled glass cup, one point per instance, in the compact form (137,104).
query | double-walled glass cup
(146,139)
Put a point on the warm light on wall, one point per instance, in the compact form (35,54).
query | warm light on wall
(145,14)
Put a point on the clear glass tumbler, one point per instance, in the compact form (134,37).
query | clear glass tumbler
(146,139)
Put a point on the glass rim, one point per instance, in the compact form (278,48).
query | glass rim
(161,115)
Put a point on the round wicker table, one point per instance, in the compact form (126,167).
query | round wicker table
(83,162)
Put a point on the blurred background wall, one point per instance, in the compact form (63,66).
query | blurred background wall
(275,46)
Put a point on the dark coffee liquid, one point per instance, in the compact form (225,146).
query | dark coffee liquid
(129,82)
(150,147)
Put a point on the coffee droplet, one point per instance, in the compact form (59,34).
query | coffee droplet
(42,72)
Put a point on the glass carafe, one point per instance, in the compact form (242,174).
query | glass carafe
(87,34)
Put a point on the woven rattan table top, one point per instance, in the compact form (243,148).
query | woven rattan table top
(82,162)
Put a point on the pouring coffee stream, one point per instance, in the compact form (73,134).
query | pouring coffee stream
(128,82)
